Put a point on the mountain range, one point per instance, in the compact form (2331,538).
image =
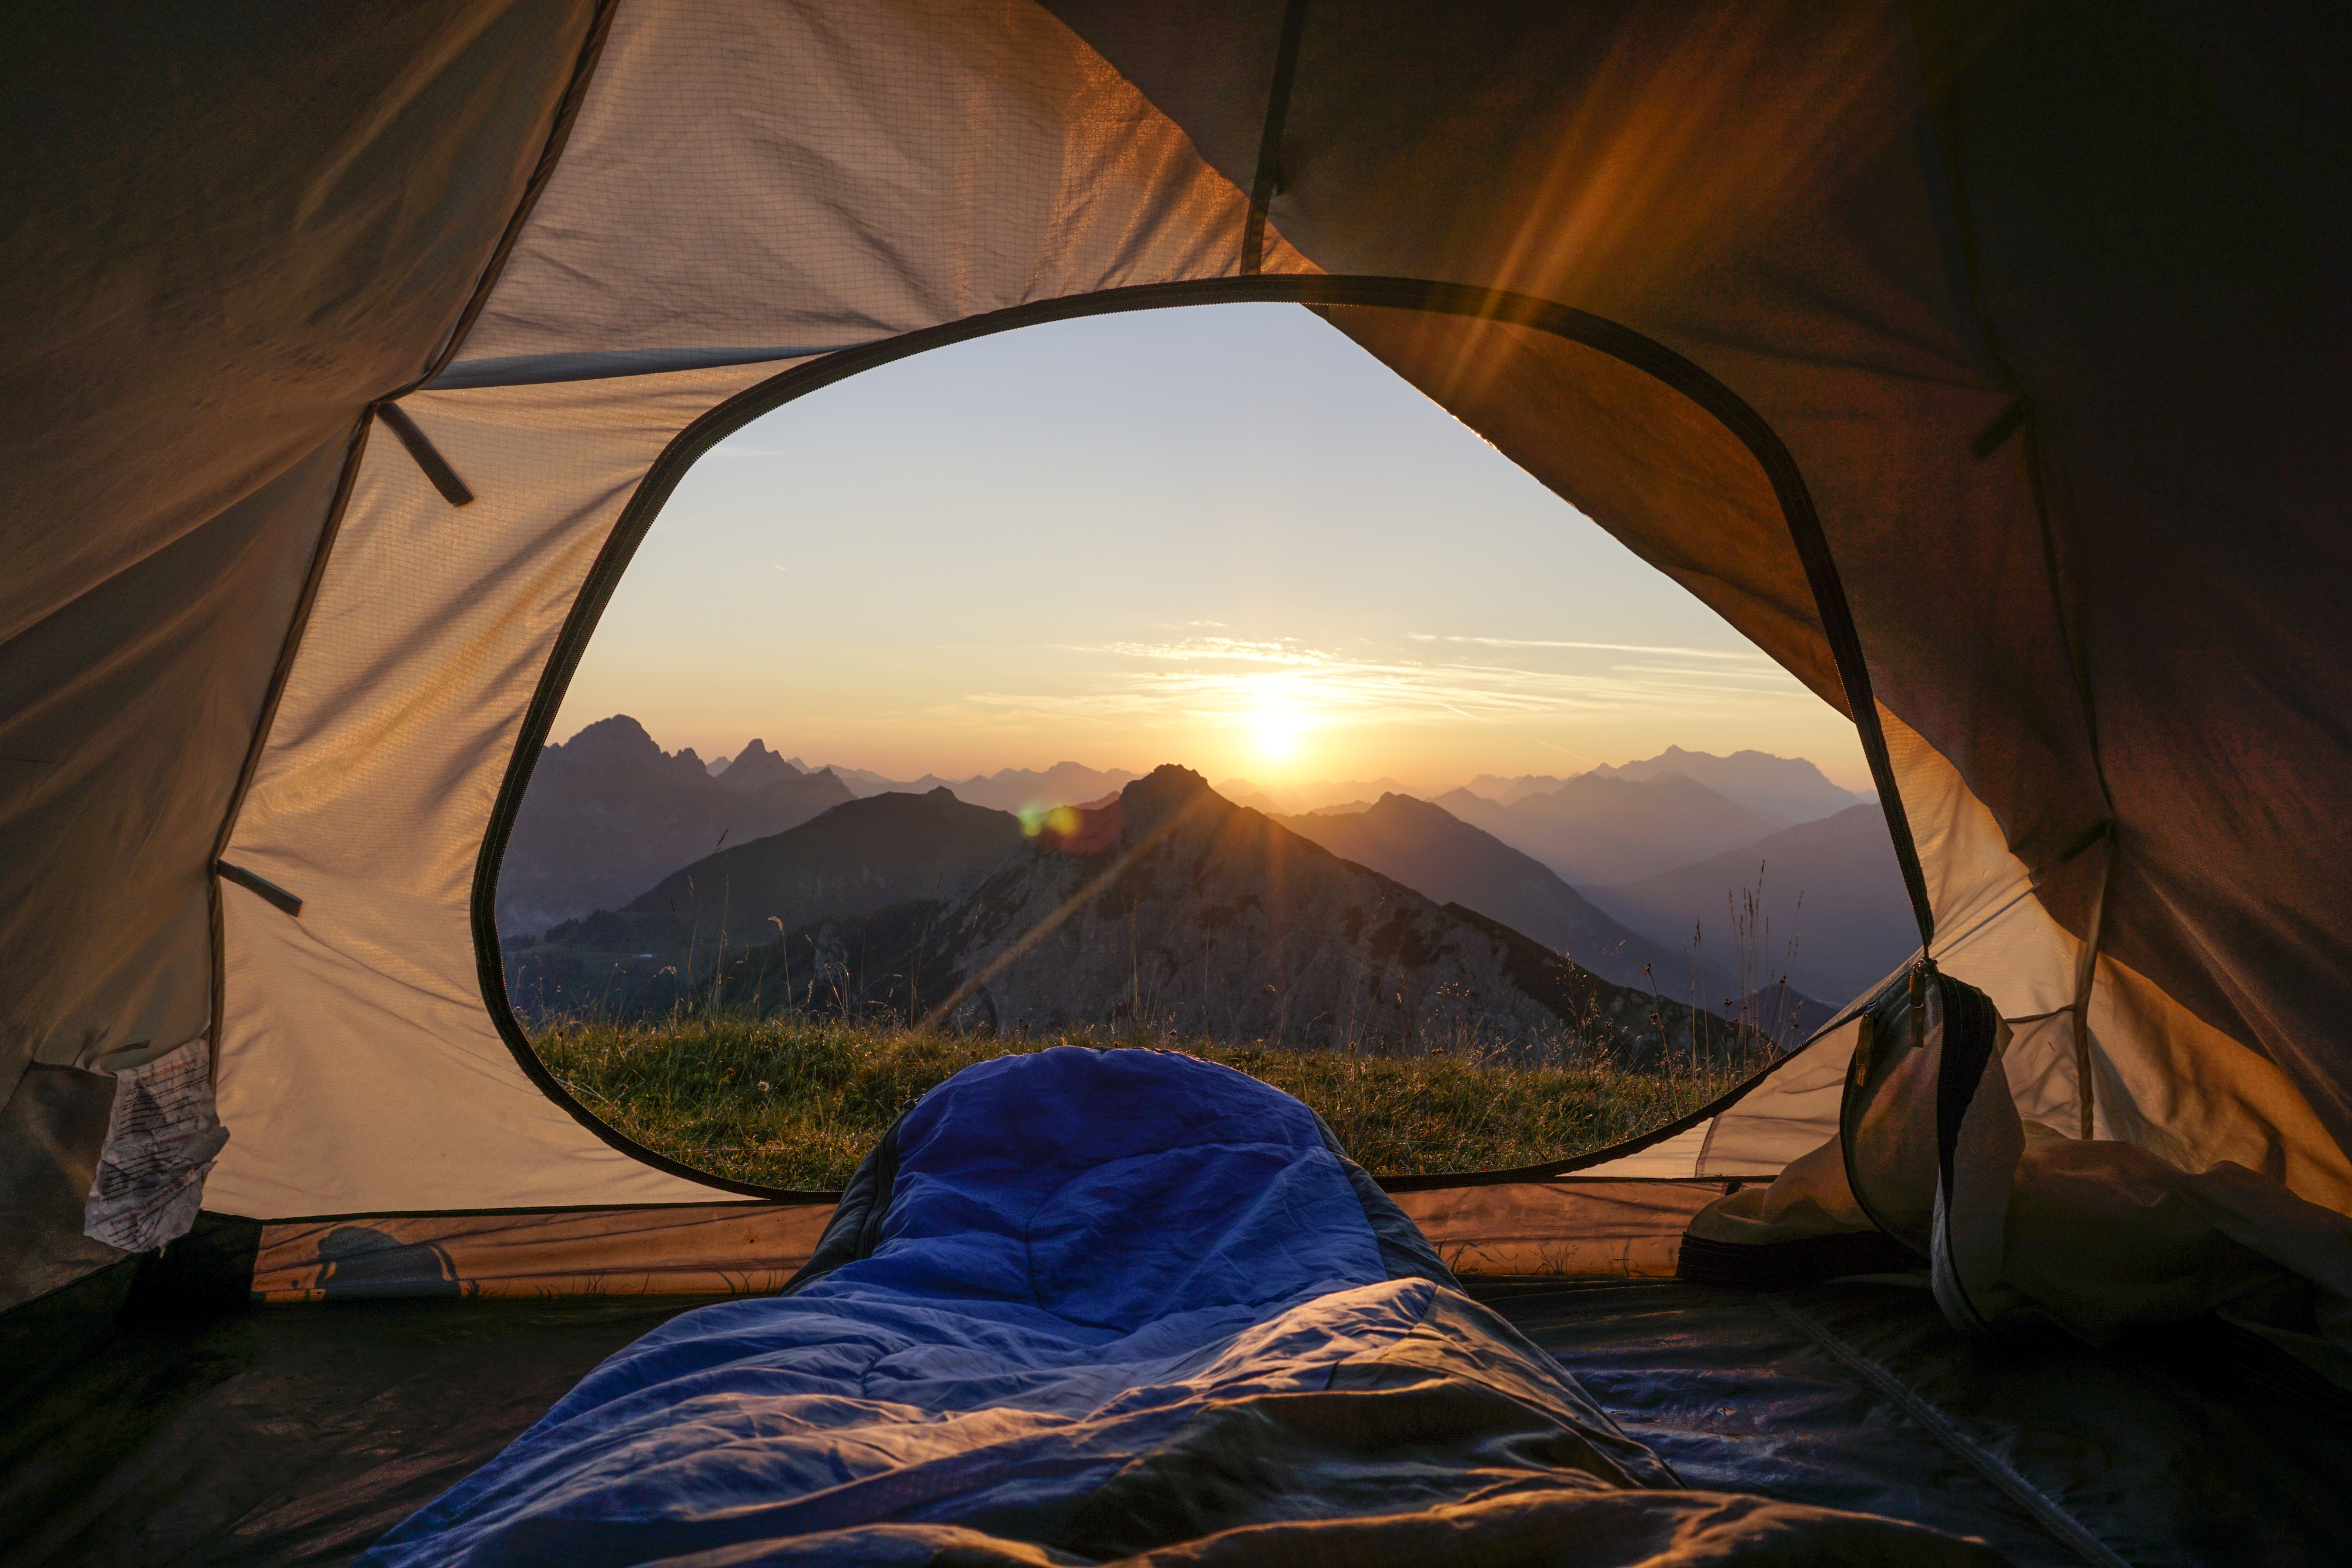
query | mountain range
(1786,789)
(1594,829)
(1635,871)
(609,812)
(1016,789)
(1507,791)
(857,857)
(1172,908)
(1311,795)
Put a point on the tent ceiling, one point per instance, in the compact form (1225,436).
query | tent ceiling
(1877,256)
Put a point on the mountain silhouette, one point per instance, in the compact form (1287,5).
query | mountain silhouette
(1015,789)
(1309,795)
(856,858)
(1173,909)
(1427,848)
(754,768)
(1594,829)
(1505,792)
(608,812)
(1854,926)
(1788,789)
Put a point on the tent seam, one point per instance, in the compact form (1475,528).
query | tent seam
(1946,126)
(2062,1526)
(267,720)
(1266,180)
(559,135)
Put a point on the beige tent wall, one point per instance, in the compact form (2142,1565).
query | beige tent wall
(181,384)
(359,1070)
(816,175)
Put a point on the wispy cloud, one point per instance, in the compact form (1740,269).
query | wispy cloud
(1321,689)
(1771,672)
(1196,648)
(1598,647)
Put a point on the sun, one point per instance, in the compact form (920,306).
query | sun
(1276,729)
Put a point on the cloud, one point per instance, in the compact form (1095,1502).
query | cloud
(1773,672)
(1192,649)
(1600,647)
(1322,690)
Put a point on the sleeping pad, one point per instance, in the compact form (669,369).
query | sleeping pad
(1087,1306)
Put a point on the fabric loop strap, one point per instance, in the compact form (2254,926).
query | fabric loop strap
(428,456)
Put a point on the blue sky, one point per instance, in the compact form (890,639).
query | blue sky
(1222,535)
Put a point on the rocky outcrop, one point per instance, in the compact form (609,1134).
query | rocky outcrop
(755,767)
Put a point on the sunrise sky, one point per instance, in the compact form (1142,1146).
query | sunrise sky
(1222,535)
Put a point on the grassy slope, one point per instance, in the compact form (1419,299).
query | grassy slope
(792,1103)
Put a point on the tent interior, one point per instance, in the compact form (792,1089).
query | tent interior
(1983,361)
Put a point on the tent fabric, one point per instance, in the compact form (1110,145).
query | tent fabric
(1108,1303)
(238,226)
(684,1250)
(2023,1224)
(2074,462)
(795,248)
(434,625)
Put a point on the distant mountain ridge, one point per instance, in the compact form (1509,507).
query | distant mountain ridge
(1788,789)
(755,767)
(1509,791)
(856,858)
(1428,849)
(1605,866)
(1855,925)
(1014,790)
(1597,829)
(1167,907)
(1311,795)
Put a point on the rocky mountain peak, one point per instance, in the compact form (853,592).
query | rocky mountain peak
(755,767)
(619,739)
(1166,791)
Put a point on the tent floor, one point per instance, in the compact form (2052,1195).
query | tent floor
(297,1434)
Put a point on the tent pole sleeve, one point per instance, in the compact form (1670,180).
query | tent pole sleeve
(1267,180)
(268,890)
(428,456)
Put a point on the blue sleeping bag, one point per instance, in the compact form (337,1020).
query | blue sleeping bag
(1079,1306)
